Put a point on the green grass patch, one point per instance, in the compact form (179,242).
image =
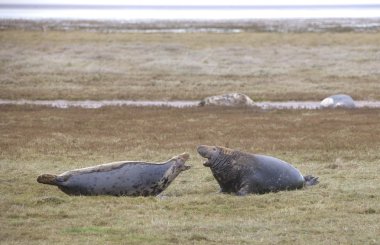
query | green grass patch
(92,230)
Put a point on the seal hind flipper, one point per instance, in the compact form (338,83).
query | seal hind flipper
(310,180)
(48,179)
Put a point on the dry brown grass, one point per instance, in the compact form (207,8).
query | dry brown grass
(164,66)
(339,146)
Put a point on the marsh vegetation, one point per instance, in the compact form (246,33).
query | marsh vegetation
(188,66)
(339,146)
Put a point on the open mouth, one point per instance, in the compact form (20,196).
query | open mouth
(204,151)
(206,163)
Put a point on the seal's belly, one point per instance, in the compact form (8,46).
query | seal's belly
(133,180)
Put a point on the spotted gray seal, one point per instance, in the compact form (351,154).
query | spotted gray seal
(126,178)
(243,173)
(231,99)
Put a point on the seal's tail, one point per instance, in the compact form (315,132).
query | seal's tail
(310,180)
(48,179)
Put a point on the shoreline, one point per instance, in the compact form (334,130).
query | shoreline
(192,26)
(96,104)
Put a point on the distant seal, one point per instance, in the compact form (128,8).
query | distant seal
(243,173)
(231,99)
(126,178)
(338,101)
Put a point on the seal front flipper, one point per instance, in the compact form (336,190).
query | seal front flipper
(310,180)
(49,179)
(243,190)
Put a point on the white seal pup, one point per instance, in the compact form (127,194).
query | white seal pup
(338,101)
(126,178)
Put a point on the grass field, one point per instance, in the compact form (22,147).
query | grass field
(339,146)
(171,66)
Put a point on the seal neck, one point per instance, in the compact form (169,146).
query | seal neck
(170,174)
(222,166)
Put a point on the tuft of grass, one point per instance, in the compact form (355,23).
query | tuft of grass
(92,230)
(370,211)
(196,237)
(52,200)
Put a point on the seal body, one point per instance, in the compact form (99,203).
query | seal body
(338,101)
(232,99)
(244,173)
(119,178)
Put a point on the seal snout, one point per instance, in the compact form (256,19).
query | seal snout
(204,151)
(183,158)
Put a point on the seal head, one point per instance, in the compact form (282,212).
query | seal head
(212,153)
(208,152)
(223,165)
(180,161)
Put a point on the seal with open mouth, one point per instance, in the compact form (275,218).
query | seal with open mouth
(126,178)
(243,173)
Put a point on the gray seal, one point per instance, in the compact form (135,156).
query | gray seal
(232,99)
(243,173)
(126,178)
(338,101)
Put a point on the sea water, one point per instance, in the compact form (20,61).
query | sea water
(157,12)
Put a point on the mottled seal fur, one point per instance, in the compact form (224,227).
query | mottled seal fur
(243,173)
(338,101)
(231,99)
(126,178)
